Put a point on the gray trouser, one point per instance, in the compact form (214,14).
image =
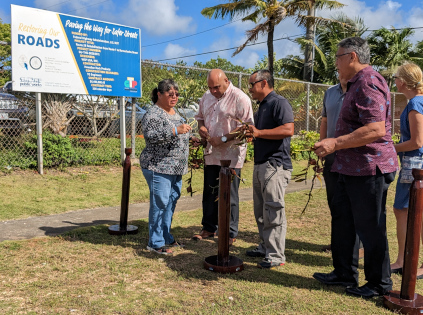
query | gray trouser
(269,183)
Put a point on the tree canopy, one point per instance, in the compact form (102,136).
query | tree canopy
(389,49)
(270,13)
(5,53)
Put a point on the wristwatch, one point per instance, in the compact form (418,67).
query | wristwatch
(224,139)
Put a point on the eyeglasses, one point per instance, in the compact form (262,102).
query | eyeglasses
(253,83)
(340,55)
(173,94)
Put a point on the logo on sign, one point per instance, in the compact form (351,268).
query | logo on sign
(130,84)
(30,82)
(35,63)
(23,62)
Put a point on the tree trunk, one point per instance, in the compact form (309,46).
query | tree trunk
(270,45)
(308,56)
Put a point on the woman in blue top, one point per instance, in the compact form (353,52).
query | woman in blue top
(409,81)
(163,162)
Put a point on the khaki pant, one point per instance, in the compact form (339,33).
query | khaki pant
(269,184)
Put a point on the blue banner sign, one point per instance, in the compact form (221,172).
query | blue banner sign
(59,53)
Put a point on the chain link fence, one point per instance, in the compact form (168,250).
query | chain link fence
(85,130)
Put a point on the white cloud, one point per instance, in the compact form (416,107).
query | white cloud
(415,20)
(241,26)
(246,58)
(222,43)
(75,7)
(174,50)
(251,54)
(158,17)
(387,13)
(393,5)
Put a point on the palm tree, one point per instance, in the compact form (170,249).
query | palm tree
(273,12)
(389,49)
(327,38)
(418,54)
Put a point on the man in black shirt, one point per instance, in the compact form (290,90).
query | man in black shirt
(274,126)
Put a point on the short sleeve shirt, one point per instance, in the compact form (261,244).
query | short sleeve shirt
(274,111)
(332,104)
(220,117)
(416,103)
(164,152)
(367,101)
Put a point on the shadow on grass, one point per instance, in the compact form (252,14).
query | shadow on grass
(52,231)
(296,251)
(188,262)
(190,266)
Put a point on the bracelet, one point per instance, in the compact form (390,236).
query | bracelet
(176,131)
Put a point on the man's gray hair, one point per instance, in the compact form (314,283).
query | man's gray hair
(264,75)
(357,45)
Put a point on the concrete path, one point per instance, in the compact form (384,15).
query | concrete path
(60,223)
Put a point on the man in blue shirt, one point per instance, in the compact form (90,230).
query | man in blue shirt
(274,126)
(332,103)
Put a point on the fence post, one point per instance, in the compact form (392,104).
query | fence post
(39,123)
(308,108)
(240,80)
(122,128)
(133,127)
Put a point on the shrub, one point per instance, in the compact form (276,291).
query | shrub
(250,152)
(57,150)
(302,143)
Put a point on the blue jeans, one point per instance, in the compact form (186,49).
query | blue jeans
(165,191)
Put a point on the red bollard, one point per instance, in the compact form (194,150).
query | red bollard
(223,262)
(407,301)
(123,227)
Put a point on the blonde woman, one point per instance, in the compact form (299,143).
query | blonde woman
(409,82)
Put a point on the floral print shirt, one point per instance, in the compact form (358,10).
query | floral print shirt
(164,152)
(220,117)
(367,100)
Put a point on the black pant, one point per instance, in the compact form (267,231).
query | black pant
(331,182)
(359,208)
(210,204)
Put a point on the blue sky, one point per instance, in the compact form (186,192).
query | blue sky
(168,20)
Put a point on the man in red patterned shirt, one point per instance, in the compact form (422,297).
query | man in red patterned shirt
(366,161)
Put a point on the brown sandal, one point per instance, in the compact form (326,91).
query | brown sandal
(203,234)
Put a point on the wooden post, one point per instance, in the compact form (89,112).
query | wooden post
(123,227)
(224,212)
(406,301)
(223,262)
(122,128)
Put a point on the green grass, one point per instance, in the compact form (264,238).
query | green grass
(27,194)
(87,271)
